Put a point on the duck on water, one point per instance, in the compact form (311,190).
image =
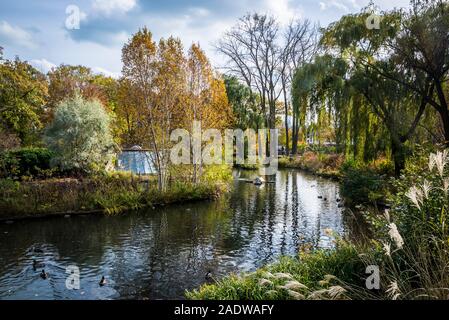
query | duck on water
(257,181)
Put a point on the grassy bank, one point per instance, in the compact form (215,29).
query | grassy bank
(324,165)
(109,193)
(306,276)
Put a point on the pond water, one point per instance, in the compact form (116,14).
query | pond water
(158,254)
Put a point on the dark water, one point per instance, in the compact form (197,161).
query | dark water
(158,254)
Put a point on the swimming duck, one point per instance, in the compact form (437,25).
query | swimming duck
(208,276)
(44,275)
(102,282)
(38,250)
(259,181)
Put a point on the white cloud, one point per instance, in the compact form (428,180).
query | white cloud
(344,5)
(284,10)
(109,7)
(43,65)
(106,73)
(15,35)
(199,12)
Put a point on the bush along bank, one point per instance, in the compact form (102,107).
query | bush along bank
(321,164)
(361,183)
(409,252)
(109,193)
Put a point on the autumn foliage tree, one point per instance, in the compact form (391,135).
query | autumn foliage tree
(208,102)
(170,90)
(66,81)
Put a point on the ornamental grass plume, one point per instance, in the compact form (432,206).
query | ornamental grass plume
(295,286)
(387,249)
(295,295)
(327,279)
(393,290)
(426,188)
(387,215)
(446,186)
(416,196)
(267,275)
(285,276)
(318,295)
(265,282)
(438,160)
(336,292)
(395,235)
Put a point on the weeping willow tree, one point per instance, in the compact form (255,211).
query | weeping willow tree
(371,114)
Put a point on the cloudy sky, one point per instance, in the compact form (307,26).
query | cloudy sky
(36,30)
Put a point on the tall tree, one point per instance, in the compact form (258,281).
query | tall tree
(208,102)
(23,95)
(80,135)
(66,81)
(374,72)
(245,104)
(254,57)
(140,68)
(299,47)
(167,106)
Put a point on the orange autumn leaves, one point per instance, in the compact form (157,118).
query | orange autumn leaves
(169,89)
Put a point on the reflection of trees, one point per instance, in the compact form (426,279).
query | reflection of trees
(160,253)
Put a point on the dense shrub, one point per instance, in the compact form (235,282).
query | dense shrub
(26,162)
(80,135)
(362,184)
(327,165)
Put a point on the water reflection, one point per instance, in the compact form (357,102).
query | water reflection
(159,254)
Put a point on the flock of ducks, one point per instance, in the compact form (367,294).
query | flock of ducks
(44,275)
(338,200)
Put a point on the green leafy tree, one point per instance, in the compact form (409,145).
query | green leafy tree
(80,135)
(23,94)
(245,104)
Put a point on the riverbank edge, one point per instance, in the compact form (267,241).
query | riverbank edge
(306,276)
(291,163)
(294,163)
(214,192)
(102,212)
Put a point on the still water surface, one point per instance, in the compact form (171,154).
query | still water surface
(158,254)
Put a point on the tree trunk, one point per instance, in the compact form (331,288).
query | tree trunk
(295,135)
(443,111)
(445,119)
(398,153)
(287,142)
